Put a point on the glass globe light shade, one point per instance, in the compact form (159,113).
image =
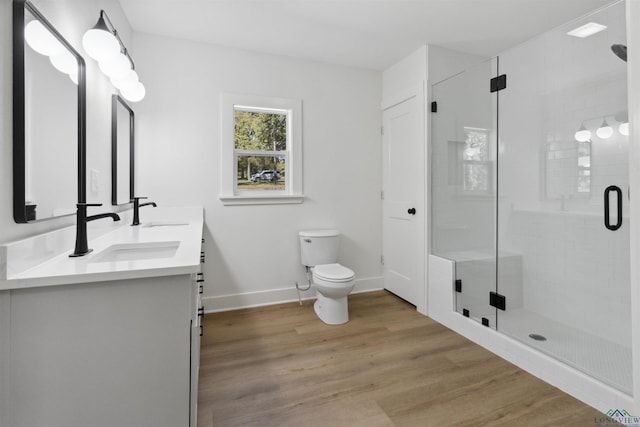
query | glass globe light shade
(65,62)
(133,77)
(129,78)
(100,43)
(624,129)
(604,131)
(115,67)
(134,93)
(582,135)
(41,40)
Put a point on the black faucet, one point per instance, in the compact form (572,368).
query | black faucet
(82,246)
(136,209)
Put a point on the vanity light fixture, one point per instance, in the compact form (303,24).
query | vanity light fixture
(118,66)
(604,131)
(583,134)
(41,40)
(103,44)
(587,30)
(45,43)
(99,42)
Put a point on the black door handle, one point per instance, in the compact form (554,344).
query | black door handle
(607,219)
(412,211)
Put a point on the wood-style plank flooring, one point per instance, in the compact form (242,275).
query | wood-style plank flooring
(389,366)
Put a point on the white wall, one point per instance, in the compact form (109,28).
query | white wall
(404,78)
(252,253)
(444,63)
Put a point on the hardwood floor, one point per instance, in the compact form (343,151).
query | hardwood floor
(389,366)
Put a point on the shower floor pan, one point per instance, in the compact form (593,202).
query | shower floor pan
(601,359)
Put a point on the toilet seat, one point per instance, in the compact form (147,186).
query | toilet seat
(334,273)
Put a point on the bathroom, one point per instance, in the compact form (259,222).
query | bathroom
(178,159)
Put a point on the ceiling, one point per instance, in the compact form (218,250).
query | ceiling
(372,34)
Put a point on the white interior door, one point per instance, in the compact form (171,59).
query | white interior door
(403,199)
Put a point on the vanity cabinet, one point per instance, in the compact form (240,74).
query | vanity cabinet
(104,354)
(111,339)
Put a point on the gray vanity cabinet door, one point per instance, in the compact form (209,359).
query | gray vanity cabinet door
(113,353)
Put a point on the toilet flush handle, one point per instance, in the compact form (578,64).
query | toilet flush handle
(307,240)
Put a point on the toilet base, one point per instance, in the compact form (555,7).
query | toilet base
(332,311)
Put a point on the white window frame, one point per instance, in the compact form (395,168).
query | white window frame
(229,194)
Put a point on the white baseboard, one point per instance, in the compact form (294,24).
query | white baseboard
(277,296)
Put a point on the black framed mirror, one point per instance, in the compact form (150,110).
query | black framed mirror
(122,151)
(49,111)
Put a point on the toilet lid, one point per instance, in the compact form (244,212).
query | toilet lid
(333,272)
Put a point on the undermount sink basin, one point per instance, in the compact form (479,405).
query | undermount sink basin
(165,224)
(137,251)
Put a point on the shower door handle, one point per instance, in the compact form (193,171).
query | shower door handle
(607,214)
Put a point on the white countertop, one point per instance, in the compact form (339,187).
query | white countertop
(25,264)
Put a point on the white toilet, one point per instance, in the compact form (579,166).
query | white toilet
(333,282)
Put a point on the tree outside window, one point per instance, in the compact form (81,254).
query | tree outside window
(260,143)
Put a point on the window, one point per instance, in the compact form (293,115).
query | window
(261,150)
(471,164)
(260,143)
(584,167)
(476,162)
(568,169)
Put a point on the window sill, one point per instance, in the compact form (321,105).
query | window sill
(261,200)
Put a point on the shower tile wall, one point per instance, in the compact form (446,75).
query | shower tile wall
(575,271)
(560,279)
(555,84)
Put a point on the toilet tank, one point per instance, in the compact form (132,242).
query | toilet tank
(319,247)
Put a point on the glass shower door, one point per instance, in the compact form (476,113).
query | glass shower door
(463,177)
(563,224)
